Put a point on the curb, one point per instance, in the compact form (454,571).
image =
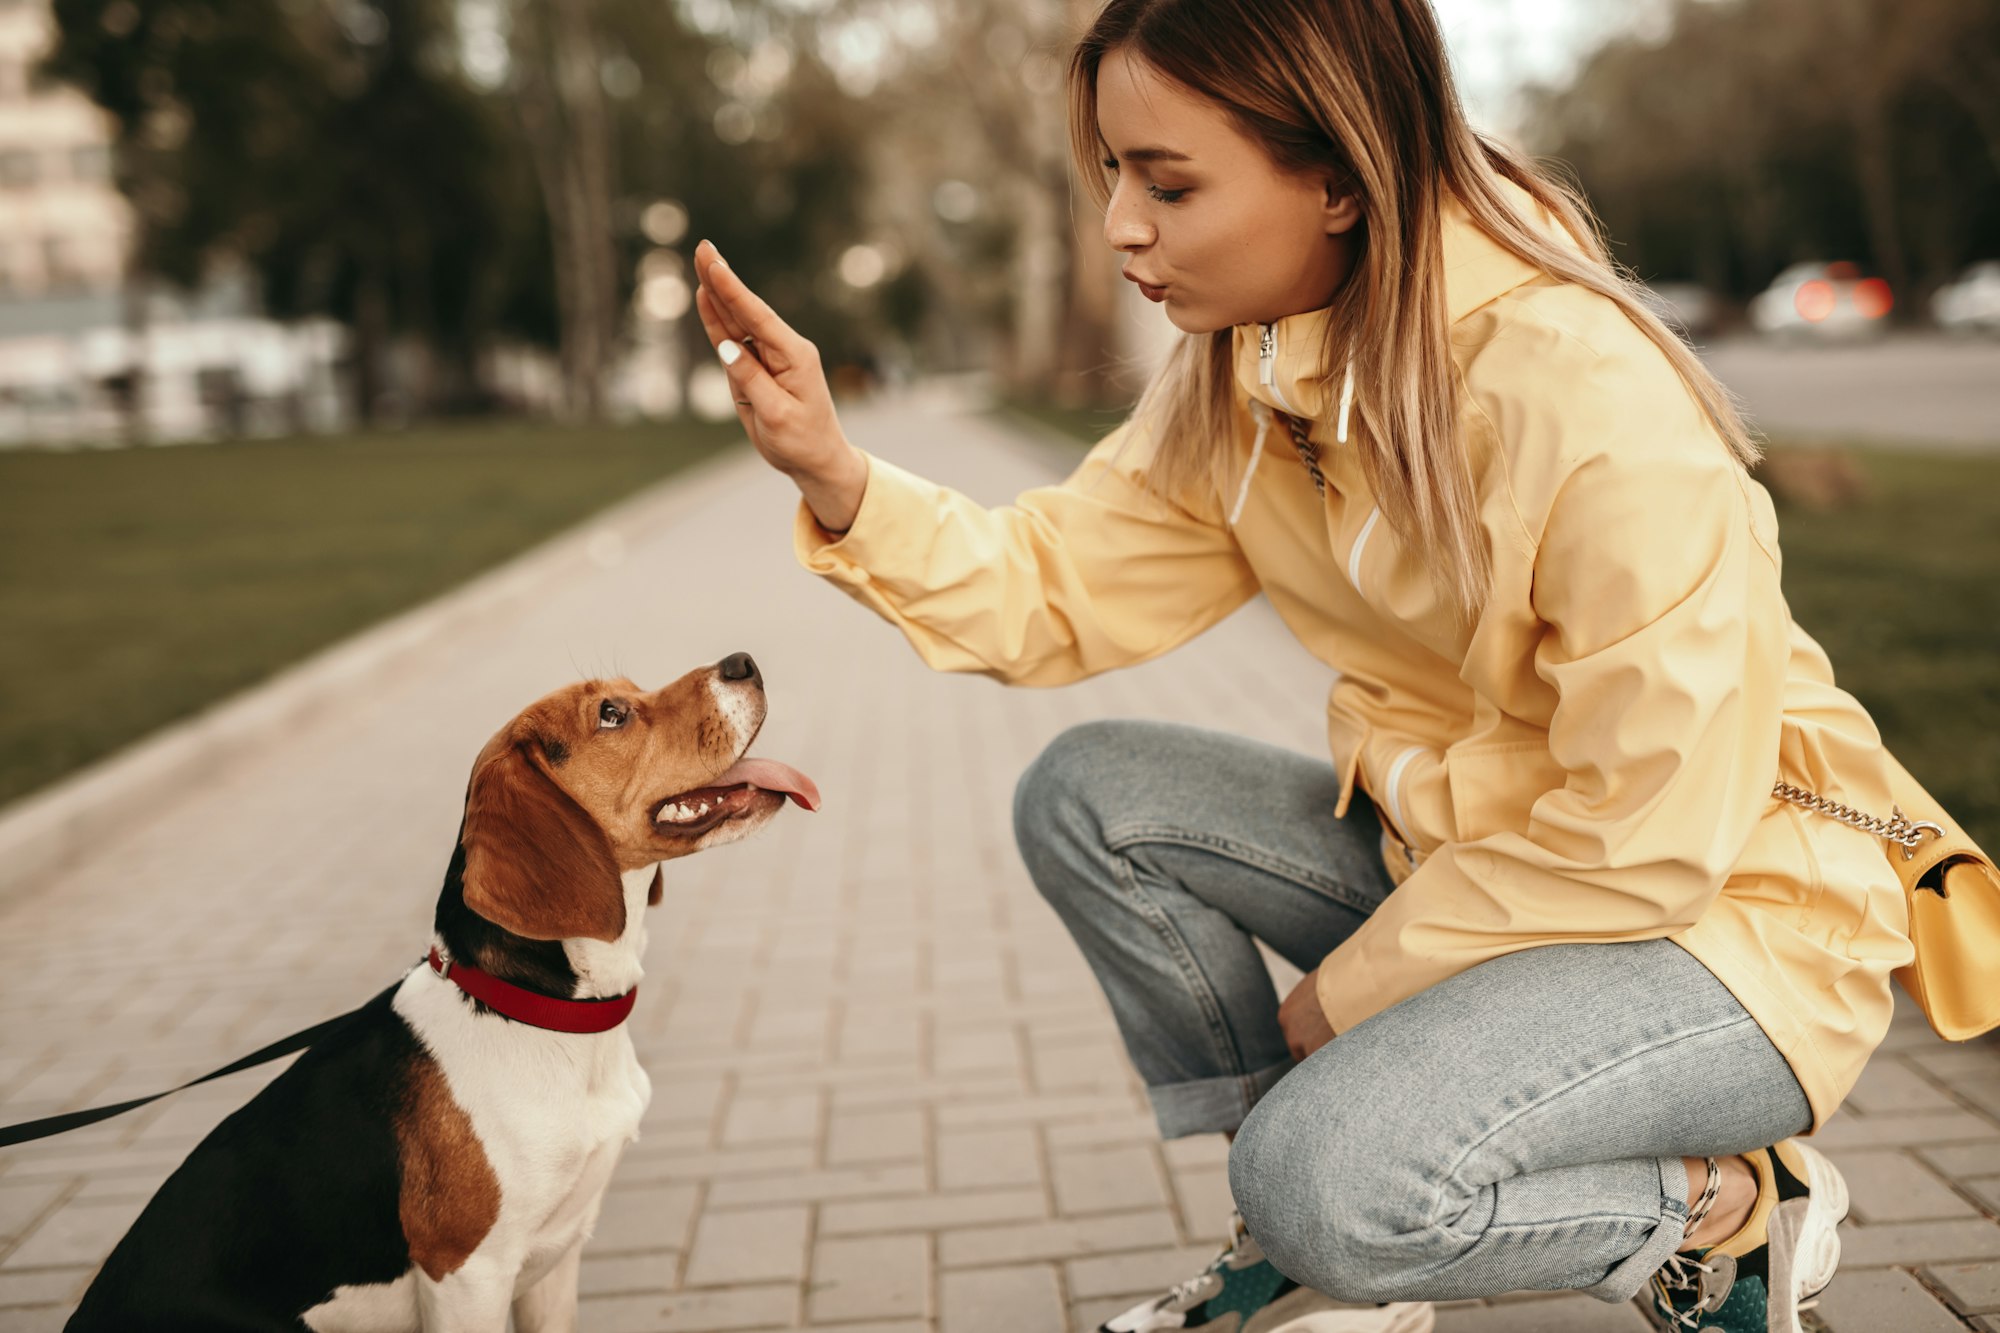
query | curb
(50,830)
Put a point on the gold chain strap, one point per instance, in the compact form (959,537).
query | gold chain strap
(1905,832)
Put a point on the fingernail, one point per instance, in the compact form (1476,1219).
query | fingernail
(729,351)
(718,255)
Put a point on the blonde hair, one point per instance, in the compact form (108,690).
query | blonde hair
(1362,89)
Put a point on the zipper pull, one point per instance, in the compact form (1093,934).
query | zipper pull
(1267,353)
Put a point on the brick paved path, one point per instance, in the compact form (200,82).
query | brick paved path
(887,1094)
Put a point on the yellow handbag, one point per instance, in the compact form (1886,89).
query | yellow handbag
(1953,892)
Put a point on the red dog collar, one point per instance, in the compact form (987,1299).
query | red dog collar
(532,1007)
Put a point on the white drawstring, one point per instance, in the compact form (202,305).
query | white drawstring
(1346,401)
(1263,415)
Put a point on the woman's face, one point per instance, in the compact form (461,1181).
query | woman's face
(1229,238)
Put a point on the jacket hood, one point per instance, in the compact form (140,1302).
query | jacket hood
(1477,269)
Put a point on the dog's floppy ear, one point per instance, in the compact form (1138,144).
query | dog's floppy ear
(535,863)
(657,889)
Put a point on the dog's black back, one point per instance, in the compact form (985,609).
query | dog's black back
(290,1197)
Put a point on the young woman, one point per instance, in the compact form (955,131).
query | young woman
(1574,976)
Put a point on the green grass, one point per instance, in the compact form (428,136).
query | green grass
(1902,589)
(137,585)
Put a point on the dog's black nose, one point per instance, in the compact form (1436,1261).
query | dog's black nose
(738,666)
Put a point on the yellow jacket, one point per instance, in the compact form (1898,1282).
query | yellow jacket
(1592,759)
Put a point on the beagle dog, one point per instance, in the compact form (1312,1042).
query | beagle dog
(438,1161)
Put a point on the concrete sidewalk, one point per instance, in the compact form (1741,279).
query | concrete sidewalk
(887,1093)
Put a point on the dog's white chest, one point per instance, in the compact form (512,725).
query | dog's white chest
(552,1113)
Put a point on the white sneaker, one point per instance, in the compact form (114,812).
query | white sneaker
(1240,1292)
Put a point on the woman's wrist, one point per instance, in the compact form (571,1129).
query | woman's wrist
(834,492)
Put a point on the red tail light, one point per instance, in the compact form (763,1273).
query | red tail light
(1873,298)
(1814,300)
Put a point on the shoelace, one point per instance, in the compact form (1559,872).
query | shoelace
(1682,1273)
(1185,1295)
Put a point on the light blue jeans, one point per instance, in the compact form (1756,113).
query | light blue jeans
(1519,1126)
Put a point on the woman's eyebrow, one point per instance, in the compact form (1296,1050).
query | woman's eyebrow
(1152,155)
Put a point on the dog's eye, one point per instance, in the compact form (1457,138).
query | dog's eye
(611,713)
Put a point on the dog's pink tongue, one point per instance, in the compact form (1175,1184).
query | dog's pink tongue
(772,776)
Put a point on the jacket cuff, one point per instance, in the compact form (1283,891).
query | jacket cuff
(848,557)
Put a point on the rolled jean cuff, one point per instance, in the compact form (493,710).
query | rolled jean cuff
(1630,1274)
(1211,1105)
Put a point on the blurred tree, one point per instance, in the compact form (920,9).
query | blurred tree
(333,146)
(558,66)
(1760,132)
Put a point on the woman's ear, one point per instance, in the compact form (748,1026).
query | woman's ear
(1341,210)
(535,863)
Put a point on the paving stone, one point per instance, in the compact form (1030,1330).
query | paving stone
(1558,1314)
(1964,1159)
(1197,1150)
(1138,1273)
(1873,1302)
(1052,1108)
(1205,1201)
(1972,1288)
(718,1163)
(1889,1087)
(643,1217)
(684,1099)
(1106,1180)
(1000,1300)
(75,1233)
(1103,1131)
(871,1278)
(1065,1239)
(840,1183)
(976,1090)
(767,1119)
(1917,1130)
(22,1203)
(628,1274)
(1983,1093)
(1919,1242)
(1954,1062)
(1067,1067)
(933,1212)
(692,1312)
(875,1136)
(959,1051)
(748,1245)
(44,1286)
(972,1158)
(1889,1186)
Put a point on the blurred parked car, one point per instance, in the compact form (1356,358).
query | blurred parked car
(1822,300)
(1971,304)
(1686,305)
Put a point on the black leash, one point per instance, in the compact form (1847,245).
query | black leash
(61,1124)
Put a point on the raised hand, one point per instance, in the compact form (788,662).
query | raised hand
(780,390)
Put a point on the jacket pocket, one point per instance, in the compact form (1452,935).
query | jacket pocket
(1405,780)
(1494,787)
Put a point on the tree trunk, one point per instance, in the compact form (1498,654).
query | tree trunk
(1875,170)
(563,118)
(371,330)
